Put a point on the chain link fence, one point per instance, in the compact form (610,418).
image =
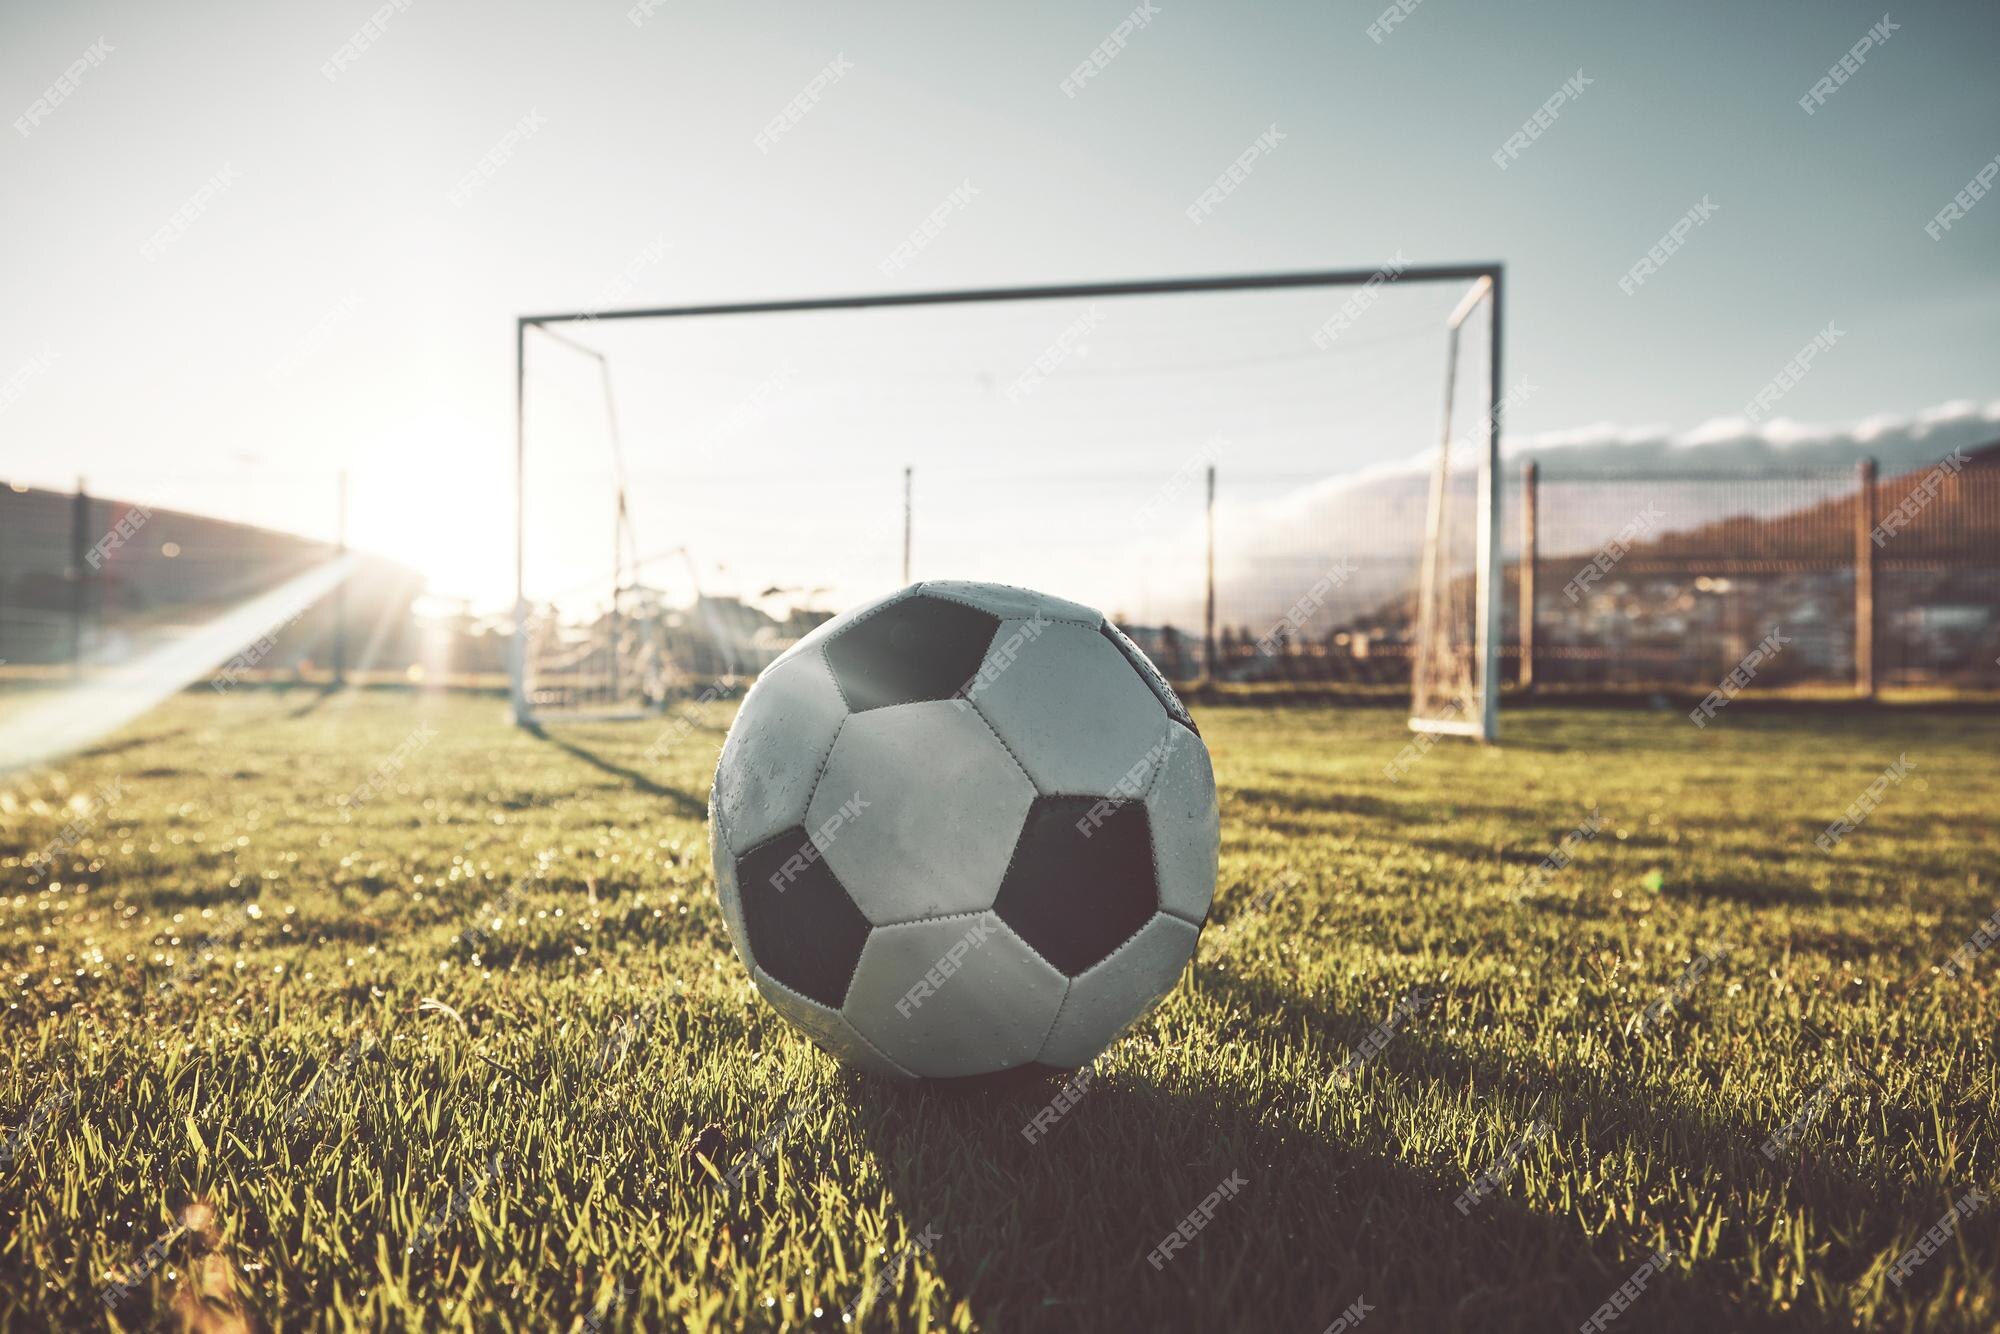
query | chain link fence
(1636,582)
(1666,582)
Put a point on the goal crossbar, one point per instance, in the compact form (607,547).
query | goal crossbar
(1242,282)
(1487,275)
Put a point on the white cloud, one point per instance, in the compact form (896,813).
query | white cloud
(1897,440)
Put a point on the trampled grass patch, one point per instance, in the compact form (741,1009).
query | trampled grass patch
(370,1010)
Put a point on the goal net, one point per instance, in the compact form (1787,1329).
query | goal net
(1236,470)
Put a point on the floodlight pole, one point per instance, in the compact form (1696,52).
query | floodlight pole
(907,470)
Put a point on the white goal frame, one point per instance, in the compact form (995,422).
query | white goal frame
(1433,577)
(1487,281)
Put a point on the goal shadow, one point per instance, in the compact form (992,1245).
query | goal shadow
(685,802)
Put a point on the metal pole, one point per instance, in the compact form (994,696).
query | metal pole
(1530,552)
(906,525)
(1864,579)
(518,663)
(622,540)
(1241,282)
(1489,538)
(340,589)
(617,584)
(1208,615)
(1433,570)
(79,574)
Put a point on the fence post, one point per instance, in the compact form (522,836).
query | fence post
(1864,579)
(79,575)
(340,589)
(1530,551)
(1208,614)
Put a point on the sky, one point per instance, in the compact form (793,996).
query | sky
(238,261)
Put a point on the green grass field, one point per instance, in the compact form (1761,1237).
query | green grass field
(252,1073)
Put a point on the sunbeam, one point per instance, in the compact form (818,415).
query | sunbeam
(72,718)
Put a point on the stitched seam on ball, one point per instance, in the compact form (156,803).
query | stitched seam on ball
(763,843)
(721,825)
(845,1021)
(1153,779)
(1019,839)
(1030,947)
(1127,943)
(1003,619)
(891,1061)
(1152,839)
(820,773)
(953,916)
(827,663)
(1152,834)
(892,600)
(765,973)
(973,704)
(933,917)
(1069,989)
(1155,681)
(929,592)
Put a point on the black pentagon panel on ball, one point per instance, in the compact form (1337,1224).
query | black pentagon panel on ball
(1081,883)
(917,649)
(1150,674)
(804,928)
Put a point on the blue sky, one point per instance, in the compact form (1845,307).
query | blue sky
(335,302)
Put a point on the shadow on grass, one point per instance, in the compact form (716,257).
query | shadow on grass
(1487,854)
(129,743)
(1602,1118)
(1762,893)
(1061,1233)
(687,802)
(1329,803)
(319,696)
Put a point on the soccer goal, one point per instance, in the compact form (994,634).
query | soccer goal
(1245,472)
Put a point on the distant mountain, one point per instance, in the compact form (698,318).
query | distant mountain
(1595,481)
(1960,518)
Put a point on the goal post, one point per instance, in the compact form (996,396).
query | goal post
(1455,674)
(579,661)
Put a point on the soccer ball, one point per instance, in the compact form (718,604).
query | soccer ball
(963,829)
